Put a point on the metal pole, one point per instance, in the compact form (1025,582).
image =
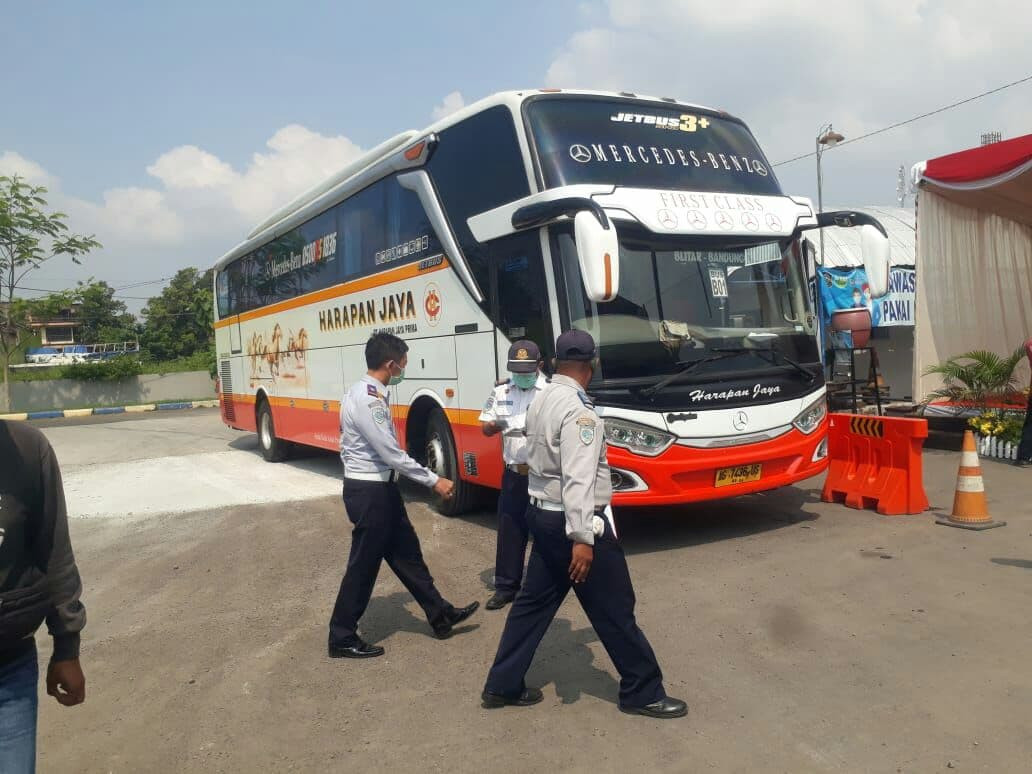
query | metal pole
(820,261)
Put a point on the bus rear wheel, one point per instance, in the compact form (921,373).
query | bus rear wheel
(442,458)
(273,449)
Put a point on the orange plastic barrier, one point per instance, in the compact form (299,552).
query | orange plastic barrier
(876,463)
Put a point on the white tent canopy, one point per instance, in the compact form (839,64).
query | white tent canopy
(975,258)
(842,245)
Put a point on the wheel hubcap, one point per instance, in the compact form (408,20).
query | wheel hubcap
(435,455)
(266,431)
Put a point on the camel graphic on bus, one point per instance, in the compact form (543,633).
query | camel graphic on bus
(272,359)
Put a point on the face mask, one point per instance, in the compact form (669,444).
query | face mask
(524,381)
(397,379)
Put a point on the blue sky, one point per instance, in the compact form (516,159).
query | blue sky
(112,85)
(169,129)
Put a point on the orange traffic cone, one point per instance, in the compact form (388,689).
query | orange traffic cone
(970,510)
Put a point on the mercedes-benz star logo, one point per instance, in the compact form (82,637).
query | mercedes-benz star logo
(749,221)
(667,219)
(740,421)
(696,219)
(724,221)
(773,222)
(580,154)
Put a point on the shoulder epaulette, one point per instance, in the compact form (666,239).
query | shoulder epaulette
(500,382)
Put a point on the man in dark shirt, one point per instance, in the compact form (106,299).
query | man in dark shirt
(38,581)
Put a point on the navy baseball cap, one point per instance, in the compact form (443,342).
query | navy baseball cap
(523,357)
(575,345)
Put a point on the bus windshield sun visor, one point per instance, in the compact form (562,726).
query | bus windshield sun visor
(541,213)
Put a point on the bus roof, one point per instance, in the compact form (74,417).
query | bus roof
(376,163)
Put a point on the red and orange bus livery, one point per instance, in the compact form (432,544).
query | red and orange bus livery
(658,227)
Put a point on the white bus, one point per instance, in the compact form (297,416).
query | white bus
(657,226)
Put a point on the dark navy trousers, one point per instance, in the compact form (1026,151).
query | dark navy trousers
(607,597)
(382,532)
(511,548)
(1025,445)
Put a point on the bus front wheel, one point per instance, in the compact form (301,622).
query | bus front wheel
(273,449)
(442,458)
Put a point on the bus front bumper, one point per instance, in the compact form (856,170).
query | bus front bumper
(684,474)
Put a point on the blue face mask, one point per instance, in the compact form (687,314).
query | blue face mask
(397,379)
(524,381)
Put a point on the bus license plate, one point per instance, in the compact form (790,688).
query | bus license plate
(743,474)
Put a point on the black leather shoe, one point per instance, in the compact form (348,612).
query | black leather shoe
(500,600)
(358,649)
(495,700)
(664,708)
(443,629)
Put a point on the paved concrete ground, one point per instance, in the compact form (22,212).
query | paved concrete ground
(805,637)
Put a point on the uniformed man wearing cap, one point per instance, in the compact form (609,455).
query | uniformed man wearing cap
(372,461)
(574,546)
(506,413)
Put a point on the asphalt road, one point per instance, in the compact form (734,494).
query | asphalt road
(804,636)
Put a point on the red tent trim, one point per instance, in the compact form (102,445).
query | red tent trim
(999,161)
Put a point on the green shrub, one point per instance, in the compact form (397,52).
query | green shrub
(113,370)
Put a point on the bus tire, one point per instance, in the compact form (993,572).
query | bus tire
(443,459)
(273,449)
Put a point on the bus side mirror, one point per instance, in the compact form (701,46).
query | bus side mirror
(874,248)
(598,252)
(874,244)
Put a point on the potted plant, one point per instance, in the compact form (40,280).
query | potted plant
(979,379)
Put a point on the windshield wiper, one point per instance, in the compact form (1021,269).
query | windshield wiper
(687,366)
(776,353)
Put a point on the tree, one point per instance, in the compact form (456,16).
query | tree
(178,322)
(30,235)
(104,318)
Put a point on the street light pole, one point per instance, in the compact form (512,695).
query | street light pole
(826,138)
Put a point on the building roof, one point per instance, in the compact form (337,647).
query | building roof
(842,245)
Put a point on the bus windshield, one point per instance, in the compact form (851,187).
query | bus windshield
(681,300)
(645,145)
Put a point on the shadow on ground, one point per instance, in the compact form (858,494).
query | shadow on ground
(642,530)
(389,615)
(1025,564)
(647,530)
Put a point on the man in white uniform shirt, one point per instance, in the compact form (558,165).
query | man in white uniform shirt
(372,460)
(575,546)
(506,413)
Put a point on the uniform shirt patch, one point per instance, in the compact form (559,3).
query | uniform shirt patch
(585,399)
(587,430)
(490,404)
(505,403)
(380,413)
(371,390)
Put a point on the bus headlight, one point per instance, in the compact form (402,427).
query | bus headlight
(640,439)
(812,416)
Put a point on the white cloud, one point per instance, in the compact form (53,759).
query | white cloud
(12,164)
(788,67)
(449,105)
(190,167)
(198,207)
